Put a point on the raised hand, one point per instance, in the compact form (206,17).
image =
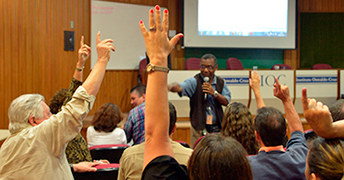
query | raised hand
(281,91)
(254,81)
(158,45)
(317,115)
(103,48)
(84,51)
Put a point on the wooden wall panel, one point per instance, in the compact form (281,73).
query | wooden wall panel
(321,6)
(31,48)
(32,58)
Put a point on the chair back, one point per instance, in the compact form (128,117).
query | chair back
(280,67)
(192,63)
(142,67)
(321,66)
(234,64)
(110,152)
(310,134)
(104,172)
(197,141)
(183,143)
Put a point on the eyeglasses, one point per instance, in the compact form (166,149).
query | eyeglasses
(208,67)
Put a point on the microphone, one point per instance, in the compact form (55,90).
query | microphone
(206,79)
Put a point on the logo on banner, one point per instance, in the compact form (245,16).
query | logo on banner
(316,79)
(236,80)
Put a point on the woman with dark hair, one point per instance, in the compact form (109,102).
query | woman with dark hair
(238,123)
(325,160)
(219,157)
(104,128)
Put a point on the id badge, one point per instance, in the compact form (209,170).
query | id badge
(209,119)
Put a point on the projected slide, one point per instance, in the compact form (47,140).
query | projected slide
(243,18)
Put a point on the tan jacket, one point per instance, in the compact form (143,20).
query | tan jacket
(39,152)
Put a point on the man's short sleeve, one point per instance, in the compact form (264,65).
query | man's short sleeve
(226,93)
(188,87)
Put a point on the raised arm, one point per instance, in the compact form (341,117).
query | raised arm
(83,55)
(174,87)
(158,47)
(319,118)
(293,119)
(255,86)
(93,81)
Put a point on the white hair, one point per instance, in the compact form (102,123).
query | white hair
(22,108)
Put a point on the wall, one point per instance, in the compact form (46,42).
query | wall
(322,39)
(292,57)
(32,58)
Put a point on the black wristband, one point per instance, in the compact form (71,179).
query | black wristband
(71,167)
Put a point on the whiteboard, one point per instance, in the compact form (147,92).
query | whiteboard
(120,22)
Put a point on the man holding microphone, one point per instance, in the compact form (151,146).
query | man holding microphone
(207,92)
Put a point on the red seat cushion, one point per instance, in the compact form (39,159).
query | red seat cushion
(107,166)
(108,146)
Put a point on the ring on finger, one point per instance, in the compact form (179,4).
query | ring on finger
(152,28)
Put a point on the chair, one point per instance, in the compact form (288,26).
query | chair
(104,172)
(280,67)
(234,64)
(111,152)
(192,63)
(183,143)
(310,136)
(142,67)
(197,141)
(321,66)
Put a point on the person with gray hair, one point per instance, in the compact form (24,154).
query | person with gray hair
(36,147)
(22,108)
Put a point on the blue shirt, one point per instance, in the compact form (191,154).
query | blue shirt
(135,126)
(189,87)
(279,164)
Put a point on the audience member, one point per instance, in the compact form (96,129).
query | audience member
(132,159)
(325,160)
(206,98)
(337,110)
(77,149)
(337,113)
(104,128)
(319,118)
(254,82)
(219,157)
(238,123)
(134,126)
(272,161)
(36,146)
(158,157)
(137,95)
